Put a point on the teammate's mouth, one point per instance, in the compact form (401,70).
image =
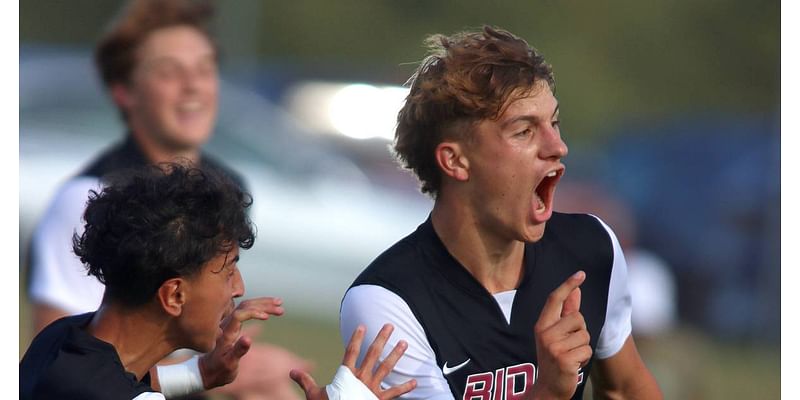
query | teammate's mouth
(543,194)
(225,314)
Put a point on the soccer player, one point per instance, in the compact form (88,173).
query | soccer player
(498,296)
(165,242)
(159,63)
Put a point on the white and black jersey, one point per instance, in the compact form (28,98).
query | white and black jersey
(56,276)
(465,343)
(66,362)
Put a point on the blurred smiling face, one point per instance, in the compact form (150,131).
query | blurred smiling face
(173,89)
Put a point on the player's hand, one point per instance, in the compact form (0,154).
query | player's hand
(364,373)
(264,372)
(562,342)
(220,366)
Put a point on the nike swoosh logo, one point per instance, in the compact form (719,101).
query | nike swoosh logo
(448,371)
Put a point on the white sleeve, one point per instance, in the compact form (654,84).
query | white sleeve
(374,306)
(150,396)
(57,276)
(617,326)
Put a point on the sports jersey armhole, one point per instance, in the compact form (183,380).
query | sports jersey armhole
(617,326)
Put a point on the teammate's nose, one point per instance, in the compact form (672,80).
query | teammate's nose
(238,284)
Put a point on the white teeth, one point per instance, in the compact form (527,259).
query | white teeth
(552,174)
(540,204)
(191,106)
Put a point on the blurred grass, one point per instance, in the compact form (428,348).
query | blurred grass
(688,364)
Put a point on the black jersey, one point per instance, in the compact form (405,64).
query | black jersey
(66,362)
(480,349)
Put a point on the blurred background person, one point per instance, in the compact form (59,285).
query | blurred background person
(158,62)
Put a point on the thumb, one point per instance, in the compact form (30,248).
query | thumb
(242,346)
(303,379)
(573,302)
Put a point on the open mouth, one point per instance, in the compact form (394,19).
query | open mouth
(543,194)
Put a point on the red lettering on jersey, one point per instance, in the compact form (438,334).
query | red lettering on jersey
(501,384)
(527,371)
(479,386)
(498,384)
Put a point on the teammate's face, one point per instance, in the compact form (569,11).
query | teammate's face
(172,95)
(209,300)
(514,166)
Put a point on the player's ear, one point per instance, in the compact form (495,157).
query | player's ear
(121,95)
(172,296)
(452,161)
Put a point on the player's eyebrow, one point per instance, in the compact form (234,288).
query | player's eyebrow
(527,117)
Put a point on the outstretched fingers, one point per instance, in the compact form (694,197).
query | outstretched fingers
(258,308)
(354,348)
(390,361)
(397,391)
(374,351)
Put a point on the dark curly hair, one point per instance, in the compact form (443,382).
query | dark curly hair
(159,222)
(466,77)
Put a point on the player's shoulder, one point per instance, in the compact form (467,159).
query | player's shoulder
(583,235)
(216,165)
(70,198)
(65,362)
(576,226)
(394,263)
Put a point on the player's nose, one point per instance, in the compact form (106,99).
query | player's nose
(238,284)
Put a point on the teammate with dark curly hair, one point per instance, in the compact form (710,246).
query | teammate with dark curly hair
(493,305)
(196,215)
(159,63)
(165,242)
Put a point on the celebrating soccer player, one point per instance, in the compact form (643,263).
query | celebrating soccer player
(498,296)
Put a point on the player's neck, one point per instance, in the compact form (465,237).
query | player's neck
(140,340)
(494,261)
(157,152)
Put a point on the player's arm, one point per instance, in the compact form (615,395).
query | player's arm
(373,306)
(624,376)
(57,282)
(360,382)
(618,371)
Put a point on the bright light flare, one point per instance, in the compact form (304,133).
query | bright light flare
(358,111)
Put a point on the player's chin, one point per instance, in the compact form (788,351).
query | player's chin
(533,232)
(209,343)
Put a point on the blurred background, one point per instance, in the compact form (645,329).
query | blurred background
(670,109)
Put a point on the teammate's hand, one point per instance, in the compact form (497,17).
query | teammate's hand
(562,342)
(220,366)
(264,372)
(364,373)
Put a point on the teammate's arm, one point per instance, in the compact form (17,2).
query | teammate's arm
(361,382)
(373,306)
(624,376)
